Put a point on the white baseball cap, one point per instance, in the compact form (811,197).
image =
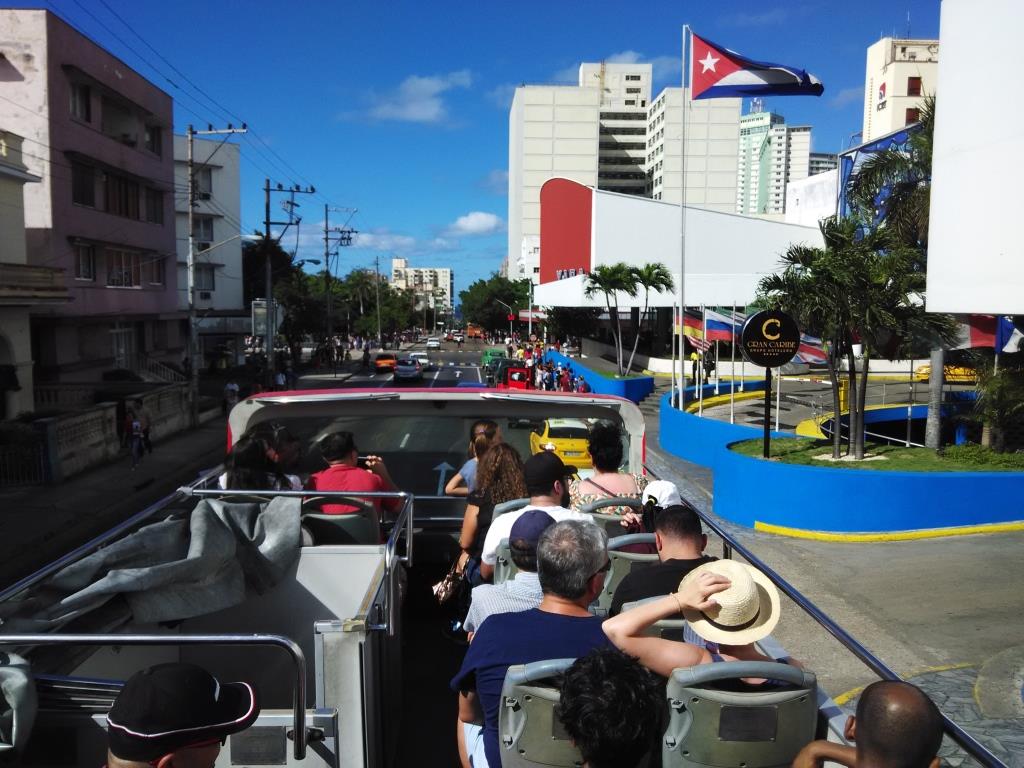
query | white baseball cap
(662,493)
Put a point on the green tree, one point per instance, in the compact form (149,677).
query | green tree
(1000,402)
(481,301)
(563,322)
(254,267)
(610,280)
(649,277)
(903,178)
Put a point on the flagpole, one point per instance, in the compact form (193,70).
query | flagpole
(732,369)
(743,360)
(702,371)
(778,397)
(718,373)
(687,45)
(672,355)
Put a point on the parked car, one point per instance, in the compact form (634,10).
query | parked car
(433,343)
(956,374)
(408,369)
(424,359)
(567,438)
(384,362)
(458,337)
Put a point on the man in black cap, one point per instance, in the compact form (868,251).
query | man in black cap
(548,486)
(176,716)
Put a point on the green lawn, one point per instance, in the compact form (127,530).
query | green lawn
(969,458)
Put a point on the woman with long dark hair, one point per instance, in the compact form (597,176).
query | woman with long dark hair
(499,479)
(605,446)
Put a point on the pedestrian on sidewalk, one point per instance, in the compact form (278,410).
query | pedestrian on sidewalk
(135,438)
(146,420)
(231,392)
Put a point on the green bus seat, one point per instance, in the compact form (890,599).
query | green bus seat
(359,527)
(529,733)
(711,726)
(621,564)
(508,506)
(504,568)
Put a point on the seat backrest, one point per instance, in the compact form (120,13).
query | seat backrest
(529,733)
(611,522)
(504,568)
(710,725)
(667,629)
(508,506)
(622,563)
(355,528)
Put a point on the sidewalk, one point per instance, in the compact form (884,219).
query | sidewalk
(41,523)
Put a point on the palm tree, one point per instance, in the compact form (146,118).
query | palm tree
(610,279)
(906,176)
(650,277)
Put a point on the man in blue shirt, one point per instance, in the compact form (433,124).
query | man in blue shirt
(572,559)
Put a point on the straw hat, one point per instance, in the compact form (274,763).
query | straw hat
(746,612)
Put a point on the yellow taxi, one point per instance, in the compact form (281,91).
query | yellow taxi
(567,438)
(385,362)
(956,374)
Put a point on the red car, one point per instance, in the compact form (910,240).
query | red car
(515,378)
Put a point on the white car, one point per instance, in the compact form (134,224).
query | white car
(424,359)
(433,343)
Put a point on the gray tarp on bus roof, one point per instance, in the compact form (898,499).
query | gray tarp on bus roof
(174,569)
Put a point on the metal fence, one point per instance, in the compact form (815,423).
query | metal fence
(21,465)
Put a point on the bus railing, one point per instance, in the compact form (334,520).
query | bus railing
(300,735)
(731,545)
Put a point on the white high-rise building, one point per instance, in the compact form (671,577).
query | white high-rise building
(821,162)
(605,132)
(711,150)
(899,74)
(771,154)
(433,286)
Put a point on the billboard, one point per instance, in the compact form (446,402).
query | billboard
(975,249)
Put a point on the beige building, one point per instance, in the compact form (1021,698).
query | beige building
(22,287)
(899,74)
(432,286)
(714,127)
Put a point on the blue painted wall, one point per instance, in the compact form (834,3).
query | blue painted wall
(747,490)
(635,388)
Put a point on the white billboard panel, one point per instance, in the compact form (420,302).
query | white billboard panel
(975,248)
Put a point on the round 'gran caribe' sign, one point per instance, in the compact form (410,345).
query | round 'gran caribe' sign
(769,338)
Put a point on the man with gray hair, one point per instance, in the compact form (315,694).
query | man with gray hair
(572,559)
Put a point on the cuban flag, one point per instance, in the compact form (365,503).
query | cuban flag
(717,73)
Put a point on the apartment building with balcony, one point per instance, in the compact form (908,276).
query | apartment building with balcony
(433,287)
(99,136)
(771,155)
(22,287)
(222,319)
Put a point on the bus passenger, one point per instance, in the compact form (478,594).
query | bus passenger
(546,483)
(680,544)
(572,559)
(605,446)
(728,604)
(347,472)
(482,435)
(248,467)
(499,479)
(896,726)
(176,715)
(608,706)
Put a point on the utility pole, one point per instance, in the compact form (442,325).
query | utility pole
(269,332)
(193,331)
(376,267)
(343,238)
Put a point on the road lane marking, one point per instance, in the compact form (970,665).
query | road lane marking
(404,440)
(433,381)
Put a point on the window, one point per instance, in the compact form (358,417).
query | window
(85,261)
(81,102)
(913,86)
(202,228)
(156,270)
(205,278)
(913,115)
(204,183)
(154,140)
(630,102)
(124,268)
(83,184)
(632,77)
(632,90)
(122,196)
(154,206)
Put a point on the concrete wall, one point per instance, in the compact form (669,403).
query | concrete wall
(16,350)
(751,491)
(635,388)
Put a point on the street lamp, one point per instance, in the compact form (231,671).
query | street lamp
(511,314)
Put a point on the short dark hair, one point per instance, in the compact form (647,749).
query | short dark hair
(337,445)
(605,446)
(610,707)
(523,555)
(679,521)
(898,726)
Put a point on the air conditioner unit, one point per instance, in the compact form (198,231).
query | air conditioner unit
(205,295)
(203,195)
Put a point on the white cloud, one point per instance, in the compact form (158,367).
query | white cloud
(501,95)
(846,96)
(496,182)
(383,240)
(419,99)
(762,19)
(476,224)
(567,75)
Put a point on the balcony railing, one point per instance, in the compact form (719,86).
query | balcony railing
(29,284)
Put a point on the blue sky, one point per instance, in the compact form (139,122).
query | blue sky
(400,109)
